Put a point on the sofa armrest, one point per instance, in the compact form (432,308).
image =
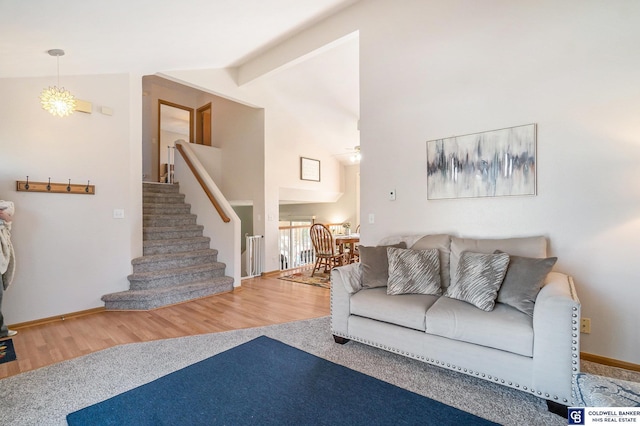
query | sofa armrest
(345,280)
(556,345)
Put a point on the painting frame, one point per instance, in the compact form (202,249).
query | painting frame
(494,163)
(309,169)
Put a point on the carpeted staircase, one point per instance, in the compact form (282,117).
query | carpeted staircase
(177,263)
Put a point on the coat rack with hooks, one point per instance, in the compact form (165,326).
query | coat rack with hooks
(66,188)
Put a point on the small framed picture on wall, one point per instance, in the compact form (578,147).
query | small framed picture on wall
(309,169)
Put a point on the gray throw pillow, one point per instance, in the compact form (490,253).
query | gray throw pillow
(442,242)
(479,277)
(375,265)
(413,271)
(523,282)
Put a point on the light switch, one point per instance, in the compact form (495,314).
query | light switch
(118,213)
(392,195)
(372,218)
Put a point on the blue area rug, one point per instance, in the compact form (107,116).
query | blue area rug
(7,351)
(266,382)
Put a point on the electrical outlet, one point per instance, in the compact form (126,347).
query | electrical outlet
(585,325)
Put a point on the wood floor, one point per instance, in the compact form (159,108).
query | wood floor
(258,302)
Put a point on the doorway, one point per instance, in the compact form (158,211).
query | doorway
(175,122)
(203,125)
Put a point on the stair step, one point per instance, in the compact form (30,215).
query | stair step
(149,187)
(155,298)
(166,208)
(171,232)
(168,219)
(158,262)
(176,276)
(161,197)
(178,245)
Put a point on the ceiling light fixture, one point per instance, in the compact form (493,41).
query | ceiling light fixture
(356,156)
(57,100)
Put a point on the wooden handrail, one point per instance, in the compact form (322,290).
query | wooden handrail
(213,200)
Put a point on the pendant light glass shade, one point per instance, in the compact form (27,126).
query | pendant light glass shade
(57,100)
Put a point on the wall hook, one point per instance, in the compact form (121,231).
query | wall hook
(54,187)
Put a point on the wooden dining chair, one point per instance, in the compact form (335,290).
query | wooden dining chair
(325,248)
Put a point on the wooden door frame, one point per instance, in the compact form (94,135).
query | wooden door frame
(174,105)
(199,135)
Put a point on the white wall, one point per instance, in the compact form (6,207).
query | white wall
(69,249)
(446,68)
(211,159)
(239,132)
(343,210)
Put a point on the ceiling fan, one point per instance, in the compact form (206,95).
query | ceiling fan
(354,154)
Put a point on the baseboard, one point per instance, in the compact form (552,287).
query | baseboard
(56,318)
(609,361)
(271,273)
(281,272)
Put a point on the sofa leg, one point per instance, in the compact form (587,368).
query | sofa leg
(340,340)
(557,408)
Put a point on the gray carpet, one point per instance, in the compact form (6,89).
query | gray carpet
(45,396)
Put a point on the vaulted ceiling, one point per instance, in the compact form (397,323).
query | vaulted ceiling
(147,36)
(152,36)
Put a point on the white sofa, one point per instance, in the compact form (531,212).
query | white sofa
(537,354)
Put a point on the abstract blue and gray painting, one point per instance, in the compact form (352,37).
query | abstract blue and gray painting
(488,164)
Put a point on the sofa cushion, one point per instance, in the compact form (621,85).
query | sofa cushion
(526,246)
(478,278)
(406,310)
(442,242)
(504,328)
(413,271)
(523,281)
(375,265)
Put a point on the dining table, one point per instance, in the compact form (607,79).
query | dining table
(346,244)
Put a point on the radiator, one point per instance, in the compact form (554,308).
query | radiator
(254,249)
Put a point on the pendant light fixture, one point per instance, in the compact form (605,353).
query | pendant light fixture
(56,99)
